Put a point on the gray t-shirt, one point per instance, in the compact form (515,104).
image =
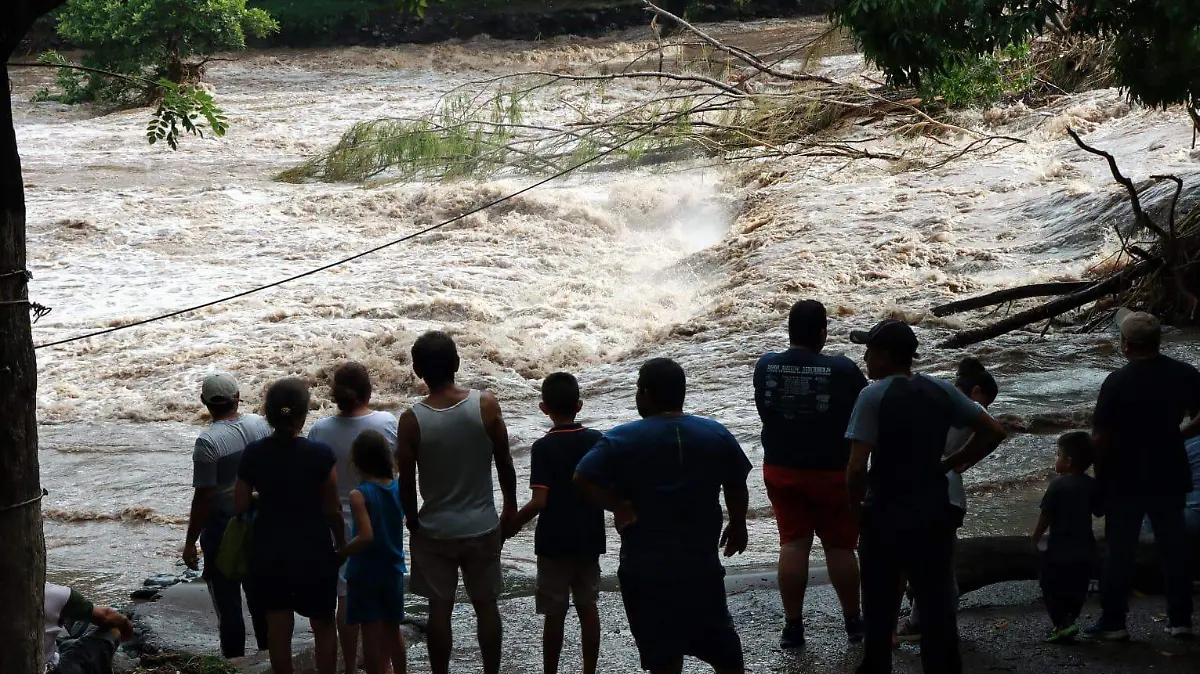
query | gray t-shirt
(339,433)
(218,453)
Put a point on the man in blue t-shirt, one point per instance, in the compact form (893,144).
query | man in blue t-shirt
(662,477)
(804,399)
(899,425)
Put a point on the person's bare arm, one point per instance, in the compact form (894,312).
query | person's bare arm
(331,504)
(737,502)
(364,534)
(408,438)
(506,473)
(1043,524)
(987,437)
(530,510)
(856,472)
(198,517)
(620,507)
(243,497)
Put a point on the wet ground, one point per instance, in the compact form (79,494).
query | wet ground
(1001,631)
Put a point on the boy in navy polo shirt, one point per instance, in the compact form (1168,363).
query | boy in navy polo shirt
(570,532)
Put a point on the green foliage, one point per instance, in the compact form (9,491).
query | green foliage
(150,39)
(981,80)
(184,109)
(1157,42)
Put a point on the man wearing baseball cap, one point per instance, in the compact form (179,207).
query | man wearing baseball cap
(1143,470)
(216,457)
(899,425)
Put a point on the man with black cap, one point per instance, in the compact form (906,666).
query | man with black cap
(216,458)
(899,425)
(1143,470)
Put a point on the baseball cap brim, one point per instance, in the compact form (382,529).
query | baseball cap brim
(860,336)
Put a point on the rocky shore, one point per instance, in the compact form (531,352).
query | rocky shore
(1002,627)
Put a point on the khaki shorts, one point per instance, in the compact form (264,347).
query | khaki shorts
(559,579)
(436,561)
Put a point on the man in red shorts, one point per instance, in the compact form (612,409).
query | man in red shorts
(805,399)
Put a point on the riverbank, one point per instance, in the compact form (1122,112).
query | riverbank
(1001,630)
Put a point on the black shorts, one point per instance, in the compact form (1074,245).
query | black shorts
(677,608)
(90,654)
(310,592)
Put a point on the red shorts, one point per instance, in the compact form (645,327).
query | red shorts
(808,502)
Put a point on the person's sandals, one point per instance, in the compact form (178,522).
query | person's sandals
(1063,635)
(909,632)
(856,629)
(792,638)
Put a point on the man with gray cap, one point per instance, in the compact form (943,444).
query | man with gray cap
(216,457)
(899,425)
(1142,467)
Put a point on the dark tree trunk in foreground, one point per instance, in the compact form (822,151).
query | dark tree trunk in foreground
(22,548)
(986,560)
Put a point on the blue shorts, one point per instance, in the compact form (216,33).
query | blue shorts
(372,601)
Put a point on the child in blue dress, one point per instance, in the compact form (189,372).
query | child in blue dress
(375,571)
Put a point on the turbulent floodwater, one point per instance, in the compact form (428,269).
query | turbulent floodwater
(592,274)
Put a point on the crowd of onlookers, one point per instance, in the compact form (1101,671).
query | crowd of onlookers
(871,469)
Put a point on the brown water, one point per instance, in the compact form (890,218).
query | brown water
(593,274)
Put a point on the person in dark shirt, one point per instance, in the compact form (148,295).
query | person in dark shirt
(1142,467)
(1067,509)
(662,477)
(570,531)
(298,527)
(804,400)
(900,424)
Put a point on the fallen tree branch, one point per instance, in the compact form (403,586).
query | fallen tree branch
(1113,284)
(1140,216)
(1011,295)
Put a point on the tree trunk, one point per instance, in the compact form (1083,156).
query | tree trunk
(22,547)
(986,560)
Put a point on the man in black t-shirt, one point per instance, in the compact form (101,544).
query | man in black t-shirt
(570,531)
(1143,470)
(804,399)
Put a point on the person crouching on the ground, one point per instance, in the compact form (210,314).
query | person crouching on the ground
(446,447)
(980,386)
(900,424)
(93,652)
(216,458)
(1142,468)
(804,399)
(298,527)
(375,566)
(1067,509)
(351,390)
(662,477)
(570,531)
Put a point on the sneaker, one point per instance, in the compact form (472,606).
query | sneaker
(1180,632)
(1103,631)
(856,629)
(792,638)
(1064,635)
(909,632)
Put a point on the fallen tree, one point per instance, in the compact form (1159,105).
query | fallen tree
(987,560)
(1157,269)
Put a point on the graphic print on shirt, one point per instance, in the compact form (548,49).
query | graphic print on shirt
(797,390)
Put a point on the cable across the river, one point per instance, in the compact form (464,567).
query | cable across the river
(407,237)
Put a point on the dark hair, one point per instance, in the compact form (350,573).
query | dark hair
(972,373)
(351,386)
(664,381)
(286,405)
(435,358)
(806,323)
(221,408)
(371,456)
(560,394)
(1077,446)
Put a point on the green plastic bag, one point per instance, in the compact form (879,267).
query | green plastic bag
(233,559)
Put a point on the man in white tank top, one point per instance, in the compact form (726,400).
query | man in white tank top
(446,446)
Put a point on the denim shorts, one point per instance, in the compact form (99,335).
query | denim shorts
(372,601)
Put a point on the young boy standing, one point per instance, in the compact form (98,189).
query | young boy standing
(570,532)
(1069,558)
